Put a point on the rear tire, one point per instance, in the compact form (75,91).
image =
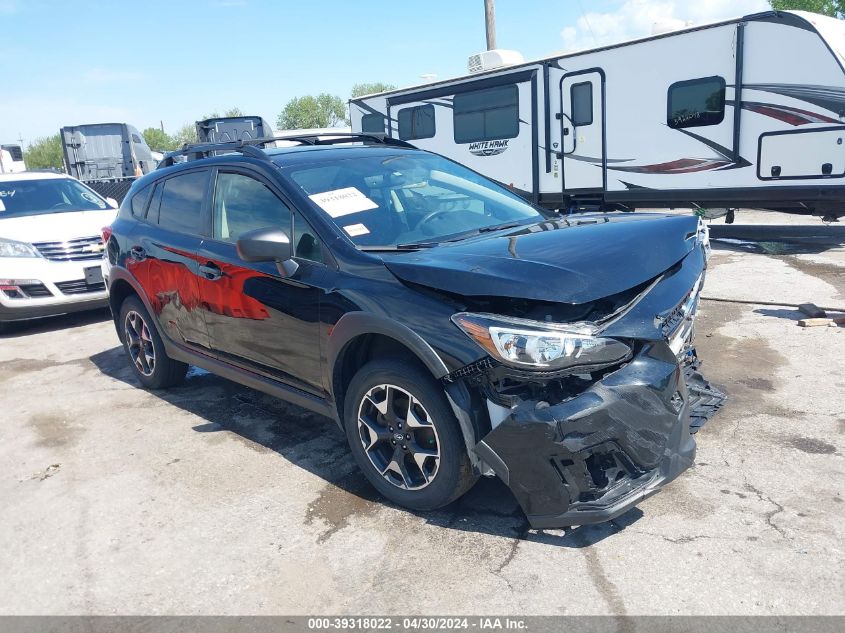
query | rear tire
(145,349)
(404,435)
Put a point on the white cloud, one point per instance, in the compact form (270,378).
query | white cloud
(637,18)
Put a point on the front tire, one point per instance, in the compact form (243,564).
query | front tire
(145,349)
(404,435)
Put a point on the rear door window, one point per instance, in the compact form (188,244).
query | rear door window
(180,208)
(138,204)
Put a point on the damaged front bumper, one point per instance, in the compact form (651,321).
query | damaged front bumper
(592,456)
(595,456)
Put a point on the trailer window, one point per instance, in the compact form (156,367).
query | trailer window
(486,115)
(15,151)
(696,102)
(372,124)
(581,97)
(416,122)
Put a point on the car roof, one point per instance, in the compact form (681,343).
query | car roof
(33,175)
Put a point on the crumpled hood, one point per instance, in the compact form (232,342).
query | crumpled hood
(565,261)
(56,227)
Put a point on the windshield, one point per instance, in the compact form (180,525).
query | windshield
(408,199)
(54,195)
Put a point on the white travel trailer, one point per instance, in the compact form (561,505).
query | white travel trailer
(652,122)
(11,159)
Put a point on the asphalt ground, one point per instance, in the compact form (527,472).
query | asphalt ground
(212,498)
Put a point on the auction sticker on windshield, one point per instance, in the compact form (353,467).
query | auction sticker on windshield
(340,202)
(354,230)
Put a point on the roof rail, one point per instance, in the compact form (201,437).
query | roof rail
(195,151)
(252,147)
(334,138)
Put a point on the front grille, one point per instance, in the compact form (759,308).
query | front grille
(35,290)
(79,287)
(80,249)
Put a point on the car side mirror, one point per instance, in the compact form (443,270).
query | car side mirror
(268,245)
(112,203)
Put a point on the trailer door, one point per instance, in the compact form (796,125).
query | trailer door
(582,148)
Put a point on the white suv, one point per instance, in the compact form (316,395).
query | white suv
(51,245)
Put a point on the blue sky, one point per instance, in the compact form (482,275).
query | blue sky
(68,62)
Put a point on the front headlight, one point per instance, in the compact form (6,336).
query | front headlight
(546,346)
(11,248)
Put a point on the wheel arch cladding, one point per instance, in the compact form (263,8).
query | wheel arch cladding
(119,290)
(122,285)
(359,337)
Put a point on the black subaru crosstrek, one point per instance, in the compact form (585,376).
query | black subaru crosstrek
(452,329)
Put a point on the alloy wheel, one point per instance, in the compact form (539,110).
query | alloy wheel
(398,437)
(139,343)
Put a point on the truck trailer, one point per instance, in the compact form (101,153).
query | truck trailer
(107,157)
(747,112)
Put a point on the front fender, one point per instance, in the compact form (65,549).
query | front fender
(353,324)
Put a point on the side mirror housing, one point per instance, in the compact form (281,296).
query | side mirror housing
(112,203)
(268,245)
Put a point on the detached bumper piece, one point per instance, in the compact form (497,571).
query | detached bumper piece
(705,399)
(592,457)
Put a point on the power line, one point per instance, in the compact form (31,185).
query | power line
(587,22)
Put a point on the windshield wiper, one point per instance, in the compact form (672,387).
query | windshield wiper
(487,229)
(411,246)
(499,227)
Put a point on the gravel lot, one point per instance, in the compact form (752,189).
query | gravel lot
(213,498)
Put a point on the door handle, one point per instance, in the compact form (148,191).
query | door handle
(211,271)
(138,253)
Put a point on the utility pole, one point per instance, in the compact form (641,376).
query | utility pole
(490,23)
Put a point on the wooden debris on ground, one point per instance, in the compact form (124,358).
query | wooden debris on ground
(818,317)
(823,322)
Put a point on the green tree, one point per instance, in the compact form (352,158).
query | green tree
(186,134)
(359,90)
(324,110)
(158,140)
(44,153)
(229,112)
(833,8)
